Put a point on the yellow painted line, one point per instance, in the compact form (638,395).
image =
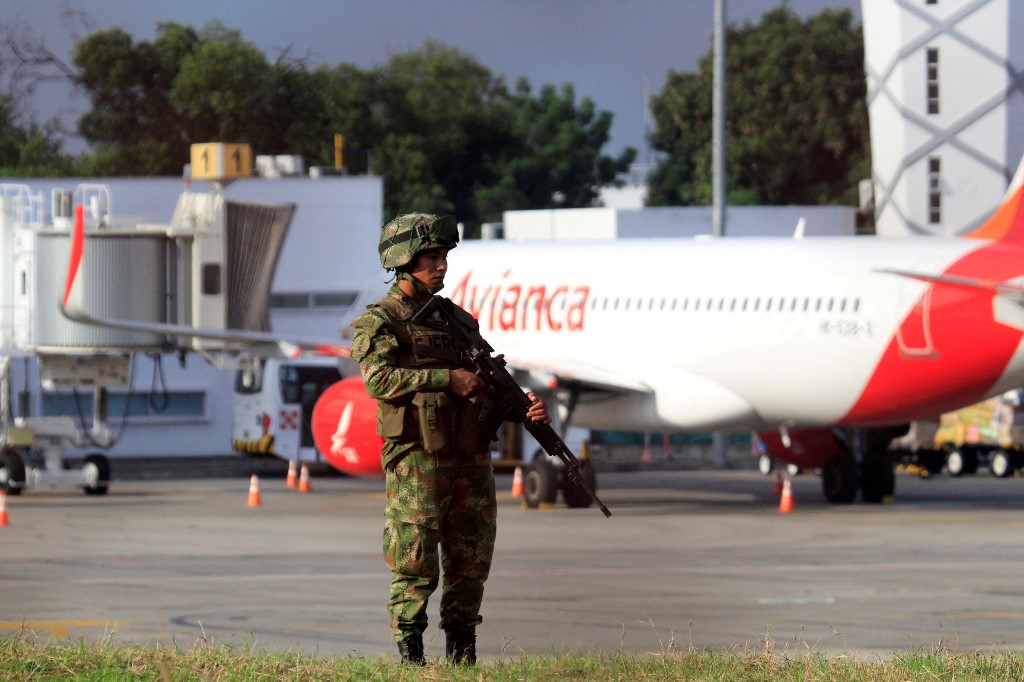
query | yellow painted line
(56,628)
(994,614)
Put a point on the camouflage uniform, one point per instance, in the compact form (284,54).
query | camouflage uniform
(436,499)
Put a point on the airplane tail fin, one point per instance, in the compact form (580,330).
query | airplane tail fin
(1008,220)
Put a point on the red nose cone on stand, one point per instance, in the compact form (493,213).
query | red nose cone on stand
(345,429)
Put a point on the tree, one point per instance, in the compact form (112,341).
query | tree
(434,115)
(446,134)
(28,149)
(450,137)
(151,101)
(796,125)
(134,123)
(552,156)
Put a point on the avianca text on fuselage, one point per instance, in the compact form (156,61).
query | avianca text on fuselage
(508,305)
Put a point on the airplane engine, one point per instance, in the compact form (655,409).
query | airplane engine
(345,429)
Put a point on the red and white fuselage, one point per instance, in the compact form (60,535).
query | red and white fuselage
(752,333)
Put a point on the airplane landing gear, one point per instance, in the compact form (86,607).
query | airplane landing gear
(864,465)
(877,479)
(839,479)
(540,483)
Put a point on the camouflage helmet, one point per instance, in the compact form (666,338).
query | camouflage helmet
(409,234)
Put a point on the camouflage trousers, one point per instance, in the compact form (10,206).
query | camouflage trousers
(438,518)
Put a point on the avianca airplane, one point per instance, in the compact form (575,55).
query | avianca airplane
(827,346)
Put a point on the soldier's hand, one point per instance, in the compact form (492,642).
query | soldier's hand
(465,383)
(538,411)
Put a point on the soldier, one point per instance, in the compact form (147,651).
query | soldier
(433,415)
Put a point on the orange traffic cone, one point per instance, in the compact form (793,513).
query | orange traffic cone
(3,508)
(517,482)
(786,501)
(777,486)
(304,480)
(254,491)
(292,478)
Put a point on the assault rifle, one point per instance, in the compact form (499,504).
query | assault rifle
(492,370)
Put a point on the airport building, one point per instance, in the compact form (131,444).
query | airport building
(946,108)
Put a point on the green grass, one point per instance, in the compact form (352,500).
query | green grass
(22,657)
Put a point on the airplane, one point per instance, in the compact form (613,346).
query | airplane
(826,347)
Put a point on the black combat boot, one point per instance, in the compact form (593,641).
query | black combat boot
(460,645)
(410,648)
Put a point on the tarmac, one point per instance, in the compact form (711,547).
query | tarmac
(689,559)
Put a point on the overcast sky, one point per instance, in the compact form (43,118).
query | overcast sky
(613,51)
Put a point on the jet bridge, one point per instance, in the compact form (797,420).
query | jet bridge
(211,267)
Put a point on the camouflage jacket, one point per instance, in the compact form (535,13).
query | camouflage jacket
(376,347)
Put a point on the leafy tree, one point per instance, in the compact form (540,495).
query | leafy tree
(444,132)
(552,156)
(134,124)
(28,149)
(796,124)
(434,115)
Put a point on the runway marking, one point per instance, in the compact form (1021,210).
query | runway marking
(578,571)
(207,579)
(795,601)
(57,628)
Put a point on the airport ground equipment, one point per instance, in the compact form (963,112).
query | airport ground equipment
(211,267)
(987,434)
(273,406)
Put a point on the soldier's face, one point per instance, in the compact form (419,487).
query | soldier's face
(430,268)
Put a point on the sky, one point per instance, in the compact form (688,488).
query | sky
(616,52)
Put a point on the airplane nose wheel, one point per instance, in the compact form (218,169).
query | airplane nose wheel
(540,484)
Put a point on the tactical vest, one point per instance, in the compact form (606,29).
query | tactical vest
(423,347)
(440,420)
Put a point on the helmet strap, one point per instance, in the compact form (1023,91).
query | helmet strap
(417,285)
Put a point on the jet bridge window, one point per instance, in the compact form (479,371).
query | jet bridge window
(170,406)
(933,79)
(934,190)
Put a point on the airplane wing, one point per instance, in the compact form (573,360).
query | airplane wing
(1014,291)
(576,371)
